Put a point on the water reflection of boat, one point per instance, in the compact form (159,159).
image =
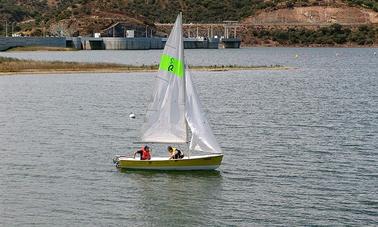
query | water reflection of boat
(173,198)
(175,109)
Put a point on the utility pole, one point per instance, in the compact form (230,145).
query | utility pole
(43,29)
(6,28)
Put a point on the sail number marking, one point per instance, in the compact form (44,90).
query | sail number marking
(172,65)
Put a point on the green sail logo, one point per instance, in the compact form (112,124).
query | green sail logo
(172,65)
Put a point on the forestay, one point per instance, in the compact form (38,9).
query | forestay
(165,117)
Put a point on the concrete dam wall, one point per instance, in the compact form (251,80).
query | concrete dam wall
(9,42)
(111,43)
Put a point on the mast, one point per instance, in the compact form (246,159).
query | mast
(184,77)
(184,83)
(186,121)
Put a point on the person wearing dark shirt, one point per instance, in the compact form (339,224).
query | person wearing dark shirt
(175,153)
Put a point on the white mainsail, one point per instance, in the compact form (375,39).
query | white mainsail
(203,138)
(165,117)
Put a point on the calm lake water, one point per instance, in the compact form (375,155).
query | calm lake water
(300,145)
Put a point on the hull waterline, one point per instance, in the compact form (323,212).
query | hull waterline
(203,162)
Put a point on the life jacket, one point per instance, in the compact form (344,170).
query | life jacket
(145,154)
(177,152)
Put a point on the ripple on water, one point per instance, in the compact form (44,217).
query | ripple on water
(300,145)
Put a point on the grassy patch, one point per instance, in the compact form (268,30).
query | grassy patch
(19,65)
(13,65)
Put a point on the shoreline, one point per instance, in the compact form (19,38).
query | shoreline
(193,68)
(14,66)
(310,46)
(243,45)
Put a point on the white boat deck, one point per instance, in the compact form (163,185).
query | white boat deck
(122,157)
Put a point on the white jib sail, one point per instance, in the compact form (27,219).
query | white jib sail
(165,117)
(203,138)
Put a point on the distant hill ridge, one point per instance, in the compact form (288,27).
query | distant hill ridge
(84,17)
(158,10)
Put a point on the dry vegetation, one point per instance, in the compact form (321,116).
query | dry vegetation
(13,65)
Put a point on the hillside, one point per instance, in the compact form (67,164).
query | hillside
(158,10)
(315,15)
(84,17)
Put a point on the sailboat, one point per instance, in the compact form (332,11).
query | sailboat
(175,109)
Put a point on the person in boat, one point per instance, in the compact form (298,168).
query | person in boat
(175,153)
(145,153)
